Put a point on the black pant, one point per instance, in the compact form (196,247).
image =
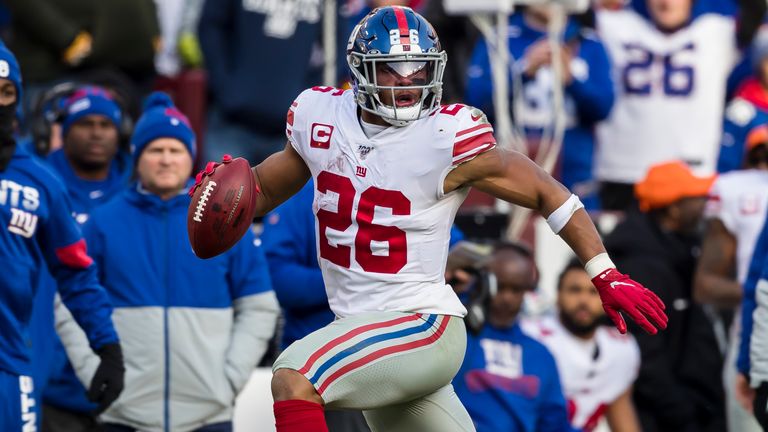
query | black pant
(60,420)
(760,406)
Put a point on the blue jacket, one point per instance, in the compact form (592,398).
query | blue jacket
(192,330)
(53,374)
(87,194)
(36,214)
(509,382)
(290,243)
(588,98)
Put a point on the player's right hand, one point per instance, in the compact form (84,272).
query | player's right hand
(210,167)
(620,294)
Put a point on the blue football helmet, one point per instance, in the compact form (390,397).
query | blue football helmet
(405,43)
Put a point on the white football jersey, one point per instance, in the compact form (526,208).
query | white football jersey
(740,200)
(593,373)
(383,223)
(670,90)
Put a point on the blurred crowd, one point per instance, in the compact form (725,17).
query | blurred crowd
(664,112)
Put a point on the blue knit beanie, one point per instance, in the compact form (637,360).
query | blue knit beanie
(10,70)
(90,100)
(161,119)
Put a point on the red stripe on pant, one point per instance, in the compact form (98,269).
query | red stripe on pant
(343,338)
(383,352)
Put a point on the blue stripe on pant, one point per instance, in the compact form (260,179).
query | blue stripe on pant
(370,341)
(18,408)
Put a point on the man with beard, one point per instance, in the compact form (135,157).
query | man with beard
(679,387)
(597,364)
(90,161)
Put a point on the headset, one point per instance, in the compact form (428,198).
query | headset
(486,286)
(49,108)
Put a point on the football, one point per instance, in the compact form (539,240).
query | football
(222,208)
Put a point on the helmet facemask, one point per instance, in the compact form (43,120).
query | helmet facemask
(369,92)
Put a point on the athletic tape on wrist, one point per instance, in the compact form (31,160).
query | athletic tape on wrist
(598,264)
(562,214)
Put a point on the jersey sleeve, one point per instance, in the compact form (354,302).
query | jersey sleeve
(474,135)
(295,119)
(65,251)
(290,121)
(308,106)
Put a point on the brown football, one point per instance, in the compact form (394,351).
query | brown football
(222,208)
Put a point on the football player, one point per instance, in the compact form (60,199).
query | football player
(391,167)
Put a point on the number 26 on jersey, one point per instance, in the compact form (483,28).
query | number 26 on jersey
(367,231)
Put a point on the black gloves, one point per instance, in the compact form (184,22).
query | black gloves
(107,382)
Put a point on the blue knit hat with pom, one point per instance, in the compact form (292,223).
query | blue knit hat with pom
(161,119)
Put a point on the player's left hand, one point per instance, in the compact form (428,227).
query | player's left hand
(619,294)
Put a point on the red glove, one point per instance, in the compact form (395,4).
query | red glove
(210,167)
(619,294)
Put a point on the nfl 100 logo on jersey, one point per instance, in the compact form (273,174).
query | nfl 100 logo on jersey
(22,202)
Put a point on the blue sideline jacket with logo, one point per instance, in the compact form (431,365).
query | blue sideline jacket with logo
(192,330)
(38,229)
(509,382)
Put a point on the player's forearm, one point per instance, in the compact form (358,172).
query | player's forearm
(566,216)
(582,236)
(279,177)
